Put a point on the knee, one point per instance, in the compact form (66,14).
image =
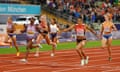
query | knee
(109,44)
(77,48)
(82,43)
(28,46)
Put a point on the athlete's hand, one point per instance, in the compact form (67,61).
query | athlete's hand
(100,36)
(59,32)
(17,32)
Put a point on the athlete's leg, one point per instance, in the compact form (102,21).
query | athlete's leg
(54,40)
(28,47)
(49,42)
(109,42)
(39,38)
(15,44)
(80,52)
(104,42)
(8,40)
(81,48)
(47,39)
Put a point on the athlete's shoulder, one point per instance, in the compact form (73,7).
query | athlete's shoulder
(103,23)
(76,24)
(83,24)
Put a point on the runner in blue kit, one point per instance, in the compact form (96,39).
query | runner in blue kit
(106,34)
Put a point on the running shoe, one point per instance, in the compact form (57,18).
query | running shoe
(55,45)
(82,62)
(36,55)
(52,54)
(40,46)
(18,54)
(10,46)
(110,58)
(23,60)
(87,60)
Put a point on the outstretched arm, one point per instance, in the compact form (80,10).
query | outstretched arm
(70,28)
(91,30)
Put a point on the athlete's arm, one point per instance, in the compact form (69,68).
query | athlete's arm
(45,28)
(102,28)
(91,30)
(114,27)
(70,28)
(11,30)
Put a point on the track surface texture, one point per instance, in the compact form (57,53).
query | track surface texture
(63,61)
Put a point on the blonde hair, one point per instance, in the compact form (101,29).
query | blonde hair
(43,17)
(9,19)
(108,16)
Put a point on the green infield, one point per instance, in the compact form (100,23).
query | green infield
(60,46)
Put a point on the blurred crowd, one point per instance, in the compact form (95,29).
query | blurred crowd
(89,10)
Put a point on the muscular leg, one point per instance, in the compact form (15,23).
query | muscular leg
(80,50)
(29,45)
(108,47)
(49,42)
(14,42)
(47,39)
(104,42)
(53,47)
(39,38)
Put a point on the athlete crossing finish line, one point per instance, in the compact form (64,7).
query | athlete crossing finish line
(80,29)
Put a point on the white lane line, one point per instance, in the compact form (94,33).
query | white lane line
(69,51)
(112,70)
(78,56)
(63,70)
(15,61)
(78,63)
(73,54)
(69,65)
(96,52)
(29,68)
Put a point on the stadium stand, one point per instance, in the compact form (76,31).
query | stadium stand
(89,10)
(67,11)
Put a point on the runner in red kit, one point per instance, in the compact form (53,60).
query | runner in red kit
(80,29)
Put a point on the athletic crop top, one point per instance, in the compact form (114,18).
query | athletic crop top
(53,28)
(31,30)
(80,29)
(107,27)
(10,27)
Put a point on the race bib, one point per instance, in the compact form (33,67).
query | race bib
(80,32)
(106,29)
(30,32)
